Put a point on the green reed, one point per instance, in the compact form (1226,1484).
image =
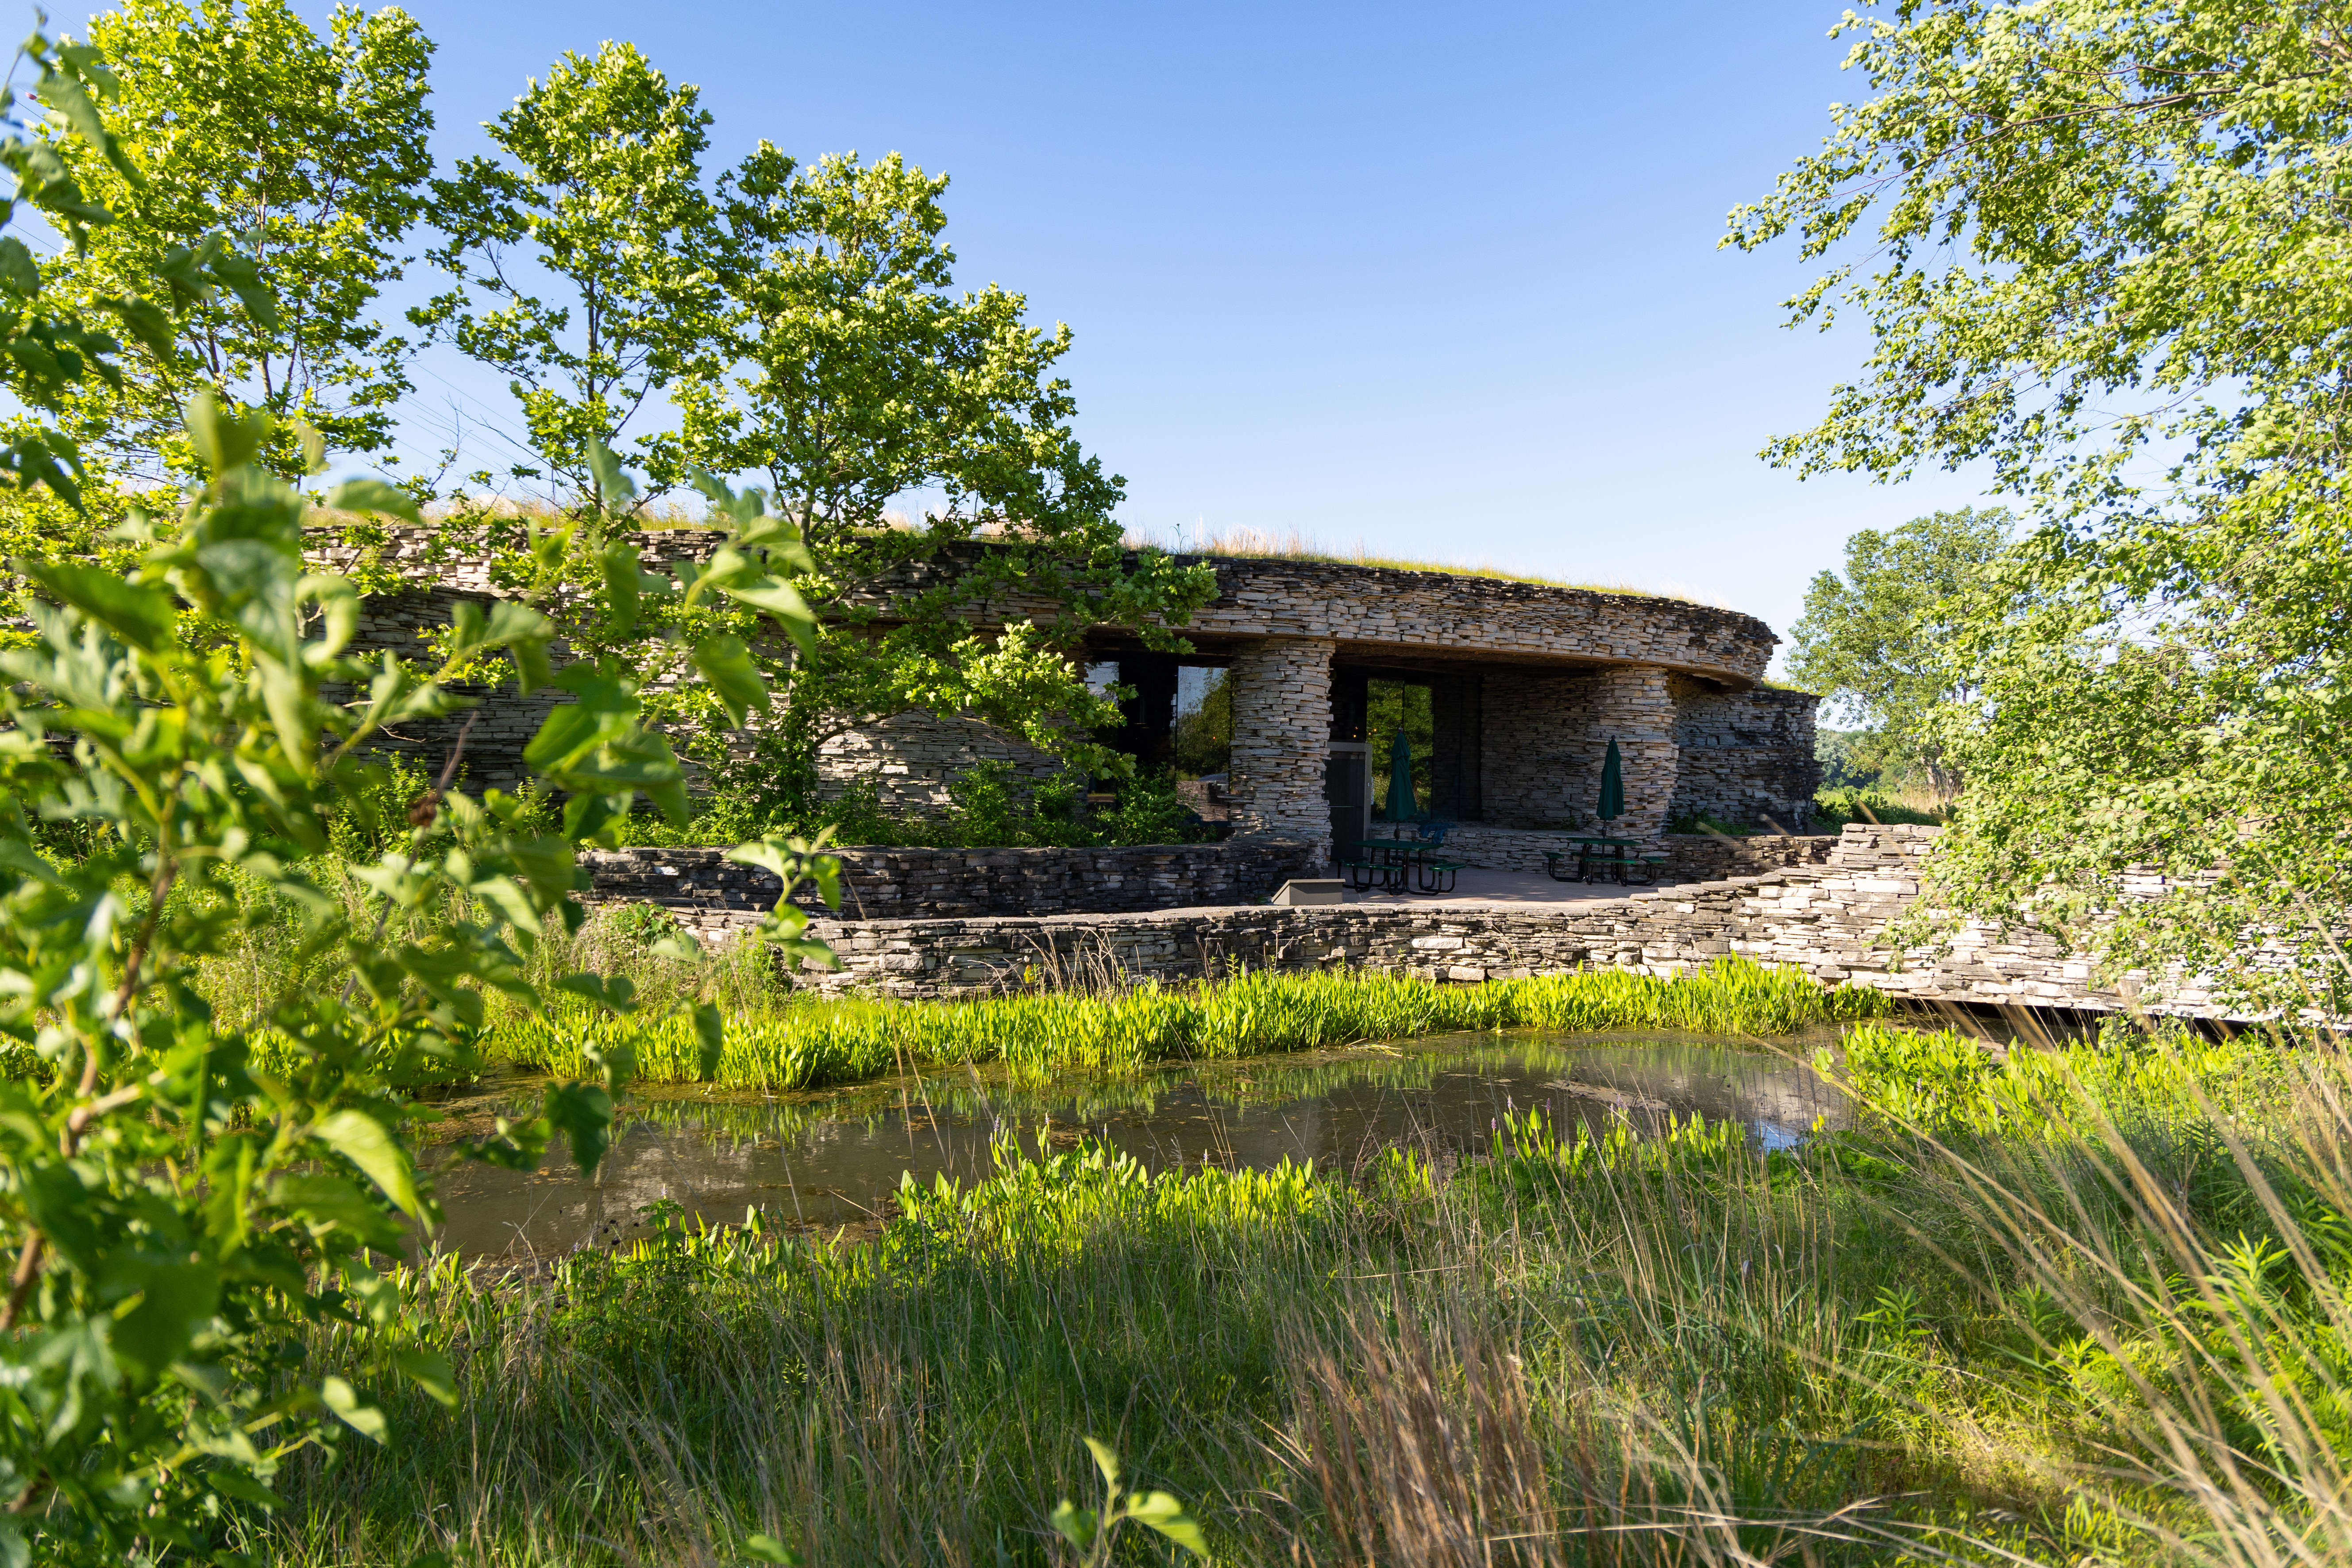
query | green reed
(820,1043)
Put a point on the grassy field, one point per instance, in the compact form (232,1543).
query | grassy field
(2086,1306)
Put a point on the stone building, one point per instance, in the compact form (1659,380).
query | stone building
(1529,684)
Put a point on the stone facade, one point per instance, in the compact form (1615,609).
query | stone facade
(913,757)
(1282,735)
(1450,616)
(714,897)
(1744,757)
(1537,679)
(1547,736)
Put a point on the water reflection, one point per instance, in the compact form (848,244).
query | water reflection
(833,1158)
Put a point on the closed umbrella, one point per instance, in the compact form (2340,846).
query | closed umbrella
(1612,784)
(1400,806)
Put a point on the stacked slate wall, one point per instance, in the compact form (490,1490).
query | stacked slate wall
(1829,921)
(1745,757)
(713,896)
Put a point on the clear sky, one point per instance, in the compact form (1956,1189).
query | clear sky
(1440,279)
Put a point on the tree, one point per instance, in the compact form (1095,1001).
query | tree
(238,117)
(2107,242)
(188,1201)
(602,194)
(852,378)
(1877,641)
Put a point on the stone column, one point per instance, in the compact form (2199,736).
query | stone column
(1281,740)
(1633,705)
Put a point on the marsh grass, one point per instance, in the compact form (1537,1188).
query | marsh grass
(2089,1308)
(1119,1025)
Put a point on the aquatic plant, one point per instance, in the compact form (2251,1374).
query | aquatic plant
(850,1040)
(2090,1339)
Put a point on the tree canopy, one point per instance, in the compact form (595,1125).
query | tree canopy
(1877,641)
(580,255)
(2097,245)
(852,376)
(240,120)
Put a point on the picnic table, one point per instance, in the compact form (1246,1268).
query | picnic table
(1392,863)
(1600,856)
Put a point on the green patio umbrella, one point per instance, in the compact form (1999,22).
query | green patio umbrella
(1612,784)
(1400,806)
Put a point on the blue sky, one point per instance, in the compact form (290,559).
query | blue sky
(1441,280)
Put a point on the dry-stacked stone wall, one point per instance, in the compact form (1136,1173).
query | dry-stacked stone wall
(1829,921)
(911,758)
(1744,756)
(1458,616)
(714,897)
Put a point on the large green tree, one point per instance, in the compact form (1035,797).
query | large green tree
(580,253)
(852,377)
(2099,245)
(1878,642)
(312,151)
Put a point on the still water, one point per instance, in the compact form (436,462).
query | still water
(833,1158)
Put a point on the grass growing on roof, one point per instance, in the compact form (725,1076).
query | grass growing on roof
(817,1043)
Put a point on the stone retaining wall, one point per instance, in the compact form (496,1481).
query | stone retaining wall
(1691,856)
(713,896)
(1827,920)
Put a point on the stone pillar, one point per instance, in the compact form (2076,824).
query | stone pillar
(1633,704)
(1281,740)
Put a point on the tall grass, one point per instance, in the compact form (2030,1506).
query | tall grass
(2079,1332)
(846,1041)
(1259,544)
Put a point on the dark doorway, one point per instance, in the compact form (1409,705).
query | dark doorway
(1343,792)
(1439,717)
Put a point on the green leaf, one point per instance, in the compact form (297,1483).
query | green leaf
(374,495)
(618,562)
(65,95)
(232,1483)
(431,1372)
(614,487)
(19,274)
(1166,1515)
(327,1199)
(726,663)
(583,1112)
(1073,1524)
(782,600)
(365,1142)
(354,1411)
(711,1032)
(244,280)
(143,617)
(177,1300)
(223,440)
(768,1549)
(1105,1461)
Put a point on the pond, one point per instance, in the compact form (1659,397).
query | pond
(833,1158)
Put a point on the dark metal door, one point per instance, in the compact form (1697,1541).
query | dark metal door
(1344,785)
